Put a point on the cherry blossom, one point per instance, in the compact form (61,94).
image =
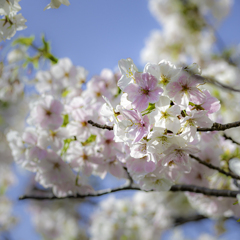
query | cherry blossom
(145,91)
(184,89)
(47,113)
(57,4)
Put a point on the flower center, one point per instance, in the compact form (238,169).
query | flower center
(164,80)
(164,115)
(56,166)
(108,141)
(185,88)
(84,157)
(145,91)
(48,113)
(84,124)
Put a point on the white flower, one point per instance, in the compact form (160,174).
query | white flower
(127,69)
(164,71)
(57,4)
(234,165)
(165,116)
(8,6)
(10,24)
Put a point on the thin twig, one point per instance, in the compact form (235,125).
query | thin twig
(129,176)
(100,126)
(209,165)
(221,85)
(236,183)
(174,188)
(207,79)
(229,138)
(219,127)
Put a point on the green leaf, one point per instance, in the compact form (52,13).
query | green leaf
(91,139)
(191,104)
(151,106)
(65,93)
(49,56)
(235,203)
(124,237)
(26,41)
(1,120)
(4,104)
(65,120)
(35,62)
(53,59)
(3,190)
(238,220)
(66,144)
(118,92)
(46,45)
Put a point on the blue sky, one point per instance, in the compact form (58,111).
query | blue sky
(96,34)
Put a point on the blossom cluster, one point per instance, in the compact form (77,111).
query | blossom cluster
(57,220)
(59,144)
(194,39)
(145,216)
(187,29)
(12,113)
(157,119)
(12,21)
(155,115)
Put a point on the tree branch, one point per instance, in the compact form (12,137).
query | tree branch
(129,177)
(219,127)
(209,165)
(229,138)
(174,188)
(211,80)
(182,220)
(100,126)
(215,126)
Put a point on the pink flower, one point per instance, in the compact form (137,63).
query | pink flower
(112,165)
(47,113)
(179,156)
(139,127)
(52,170)
(107,145)
(145,91)
(140,165)
(82,158)
(210,103)
(184,90)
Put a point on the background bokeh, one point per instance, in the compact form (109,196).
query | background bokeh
(95,35)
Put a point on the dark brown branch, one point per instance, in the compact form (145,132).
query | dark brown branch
(100,126)
(215,127)
(205,191)
(206,79)
(209,165)
(221,85)
(229,138)
(174,188)
(220,127)
(182,220)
